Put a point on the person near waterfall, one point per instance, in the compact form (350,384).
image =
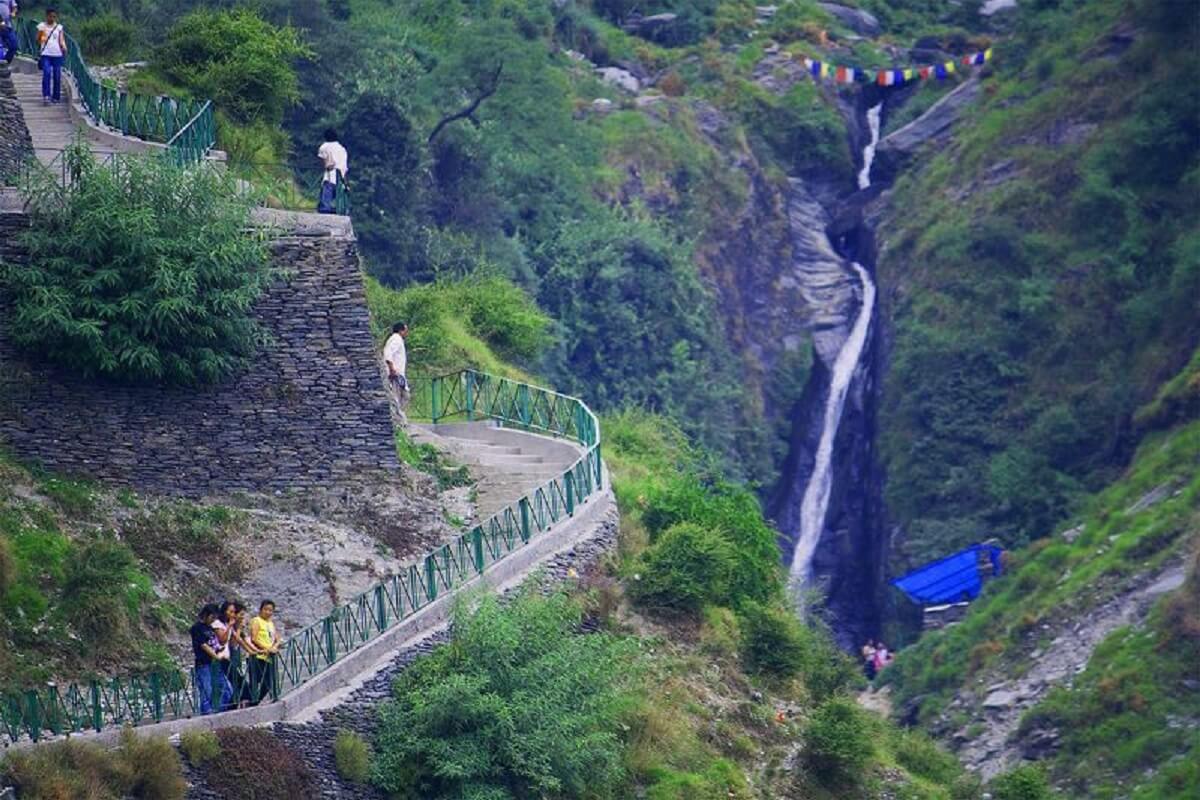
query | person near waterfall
(395,358)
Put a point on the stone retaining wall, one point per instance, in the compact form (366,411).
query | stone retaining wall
(311,410)
(15,144)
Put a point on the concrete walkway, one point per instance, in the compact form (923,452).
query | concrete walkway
(55,127)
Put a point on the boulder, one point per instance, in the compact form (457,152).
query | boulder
(1001,699)
(602,105)
(656,27)
(991,7)
(857,20)
(621,78)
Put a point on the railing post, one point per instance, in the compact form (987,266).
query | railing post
(330,644)
(470,378)
(523,402)
(523,503)
(431,577)
(570,481)
(156,698)
(435,399)
(33,714)
(97,709)
(599,467)
(381,615)
(273,673)
(477,542)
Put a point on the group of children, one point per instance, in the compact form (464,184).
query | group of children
(234,658)
(875,657)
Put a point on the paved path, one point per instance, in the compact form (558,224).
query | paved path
(54,127)
(505,464)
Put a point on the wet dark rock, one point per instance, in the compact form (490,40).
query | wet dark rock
(932,126)
(857,20)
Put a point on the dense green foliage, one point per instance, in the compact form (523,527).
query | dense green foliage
(1042,308)
(236,59)
(518,705)
(200,747)
(140,769)
(838,742)
(139,272)
(485,322)
(1023,783)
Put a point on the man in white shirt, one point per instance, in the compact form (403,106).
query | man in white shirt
(395,357)
(336,162)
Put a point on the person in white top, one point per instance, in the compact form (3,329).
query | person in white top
(336,162)
(52,42)
(395,357)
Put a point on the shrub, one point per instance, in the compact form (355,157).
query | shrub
(921,756)
(152,767)
(736,514)
(241,62)
(838,742)
(106,39)
(518,705)
(104,592)
(1026,782)
(688,567)
(721,633)
(720,780)
(255,765)
(142,273)
(141,768)
(773,640)
(200,747)
(352,755)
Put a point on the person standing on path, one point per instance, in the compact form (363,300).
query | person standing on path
(52,42)
(8,31)
(395,357)
(266,643)
(336,162)
(211,683)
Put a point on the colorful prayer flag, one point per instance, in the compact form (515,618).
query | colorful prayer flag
(841,75)
(940,69)
(925,72)
(897,77)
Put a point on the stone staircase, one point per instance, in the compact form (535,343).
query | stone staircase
(54,127)
(505,464)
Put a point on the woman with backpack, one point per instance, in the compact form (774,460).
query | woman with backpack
(52,44)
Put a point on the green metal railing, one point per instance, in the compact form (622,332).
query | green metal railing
(467,395)
(187,127)
(268,184)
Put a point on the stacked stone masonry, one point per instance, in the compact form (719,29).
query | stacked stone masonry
(310,411)
(15,144)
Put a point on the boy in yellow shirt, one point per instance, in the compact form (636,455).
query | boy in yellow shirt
(266,644)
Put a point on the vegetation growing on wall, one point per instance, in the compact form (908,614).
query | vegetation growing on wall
(139,272)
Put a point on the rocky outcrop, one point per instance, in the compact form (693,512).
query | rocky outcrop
(983,719)
(933,126)
(861,22)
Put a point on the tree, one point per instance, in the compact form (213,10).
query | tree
(139,272)
(518,705)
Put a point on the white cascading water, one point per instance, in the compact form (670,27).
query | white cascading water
(815,504)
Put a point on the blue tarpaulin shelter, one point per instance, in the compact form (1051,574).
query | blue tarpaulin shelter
(951,579)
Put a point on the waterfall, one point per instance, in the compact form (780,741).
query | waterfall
(873,116)
(815,505)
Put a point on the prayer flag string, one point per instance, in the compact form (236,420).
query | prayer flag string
(822,70)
